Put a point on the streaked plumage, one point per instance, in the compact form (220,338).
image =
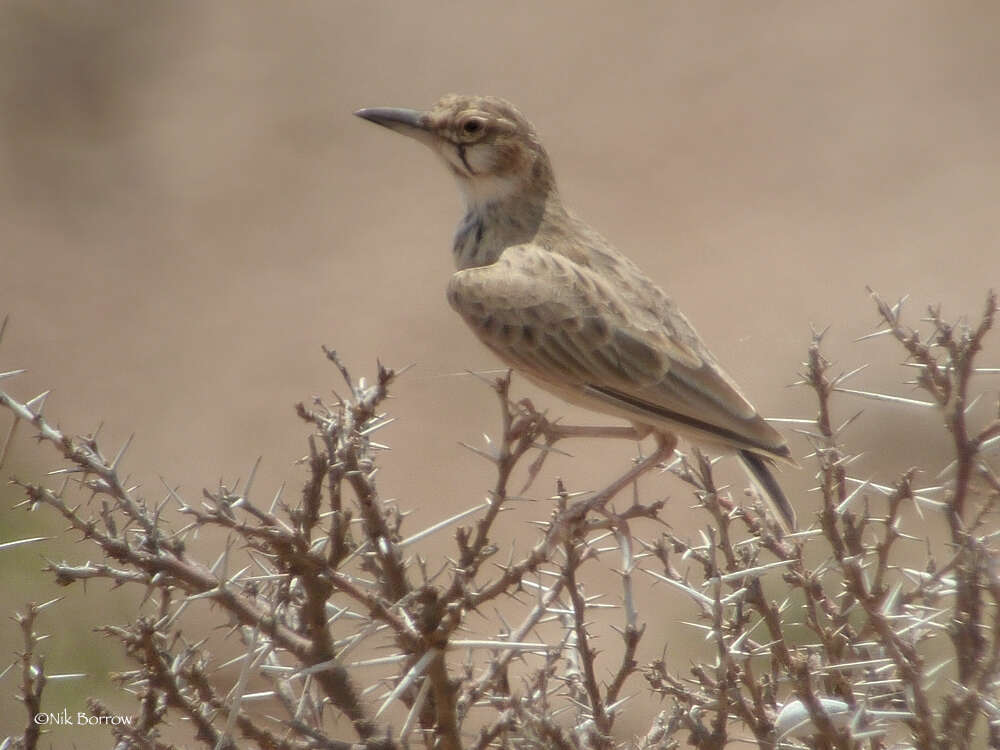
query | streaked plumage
(554,300)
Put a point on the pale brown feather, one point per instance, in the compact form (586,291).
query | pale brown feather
(577,333)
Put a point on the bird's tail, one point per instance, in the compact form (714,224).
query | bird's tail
(764,482)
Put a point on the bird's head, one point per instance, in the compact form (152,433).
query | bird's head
(488,145)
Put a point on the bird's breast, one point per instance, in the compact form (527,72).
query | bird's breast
(468,240)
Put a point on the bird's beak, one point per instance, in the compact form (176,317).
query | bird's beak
(410,122)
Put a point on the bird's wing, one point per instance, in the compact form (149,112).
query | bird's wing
(590,336)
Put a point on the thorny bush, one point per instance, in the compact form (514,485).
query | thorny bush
(859,650)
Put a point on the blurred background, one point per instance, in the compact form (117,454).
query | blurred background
(190,210)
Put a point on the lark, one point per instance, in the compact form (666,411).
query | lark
(558,303)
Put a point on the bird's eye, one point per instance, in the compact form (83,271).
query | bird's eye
(472,126)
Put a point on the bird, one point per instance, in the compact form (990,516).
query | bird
(560,304)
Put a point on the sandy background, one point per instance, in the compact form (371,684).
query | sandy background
(189,211)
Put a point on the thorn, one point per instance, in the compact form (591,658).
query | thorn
(20,542)
(479,452)
(443,524)
(67,676)
(848,422)
(245,497)
(5,446)
(844,376)
(895,309)
(37,401)
(121,452)
(404,369)
(882,332)
(499,645)
(750,572)
(818,335)
(377,426)
(173,494)
(847,500)
(696,595)
(11,373)
(886,397)
(412,676)
(889,605)
(972,403)
(277,497)
(415,711)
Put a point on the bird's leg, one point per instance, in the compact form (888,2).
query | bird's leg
(558,431)
(554,432)
(665,444)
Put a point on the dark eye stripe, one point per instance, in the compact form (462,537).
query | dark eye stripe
(461,155)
